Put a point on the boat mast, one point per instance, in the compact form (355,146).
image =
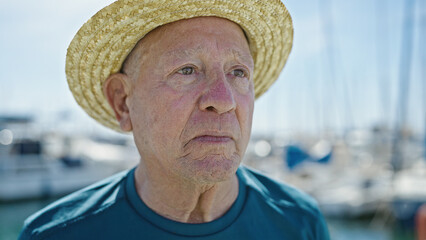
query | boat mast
(422,48)
(382,58)
(404,84)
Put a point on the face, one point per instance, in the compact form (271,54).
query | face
(191,98)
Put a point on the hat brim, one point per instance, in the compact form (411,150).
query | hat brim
(102,44)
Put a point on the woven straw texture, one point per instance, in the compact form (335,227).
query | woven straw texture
(104,41)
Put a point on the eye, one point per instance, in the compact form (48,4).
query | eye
(238,73)
(186,71)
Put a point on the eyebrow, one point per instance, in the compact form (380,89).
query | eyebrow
(242,57)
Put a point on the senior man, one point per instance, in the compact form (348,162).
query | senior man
(182,76)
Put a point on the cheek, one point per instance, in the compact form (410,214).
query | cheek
(163,114)
(245,107)
(245,115)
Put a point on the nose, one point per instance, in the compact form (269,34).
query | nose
(218,96)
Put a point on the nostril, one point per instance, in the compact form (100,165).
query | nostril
(210,108)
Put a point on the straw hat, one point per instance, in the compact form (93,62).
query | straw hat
(103,43)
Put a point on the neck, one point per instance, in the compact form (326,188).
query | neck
(184,200)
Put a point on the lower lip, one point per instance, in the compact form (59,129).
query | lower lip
(213,139)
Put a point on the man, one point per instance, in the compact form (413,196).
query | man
(182,76)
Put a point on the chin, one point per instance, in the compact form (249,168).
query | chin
(212,168)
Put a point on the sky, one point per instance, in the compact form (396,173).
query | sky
(344,71)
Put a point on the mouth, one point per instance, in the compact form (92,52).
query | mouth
(212,139)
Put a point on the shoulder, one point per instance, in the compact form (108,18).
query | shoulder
(287,205)
(279,194)
(86,202)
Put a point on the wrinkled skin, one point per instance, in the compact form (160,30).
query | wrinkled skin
(187,95)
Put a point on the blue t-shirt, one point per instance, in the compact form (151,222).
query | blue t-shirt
(112,209)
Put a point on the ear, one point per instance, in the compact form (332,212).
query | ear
(116,91)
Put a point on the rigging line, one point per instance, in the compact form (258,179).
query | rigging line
(382,58)
(278,120)
(326,30)
(302,104)
(404,82)
(347,96)
(332,54)
(319,104)
(422,48)
(406,59)
(344,87)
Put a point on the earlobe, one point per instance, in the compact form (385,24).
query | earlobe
(116,90)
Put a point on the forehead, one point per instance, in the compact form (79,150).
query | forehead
(188,37)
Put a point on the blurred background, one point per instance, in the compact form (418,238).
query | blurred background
(345,122)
